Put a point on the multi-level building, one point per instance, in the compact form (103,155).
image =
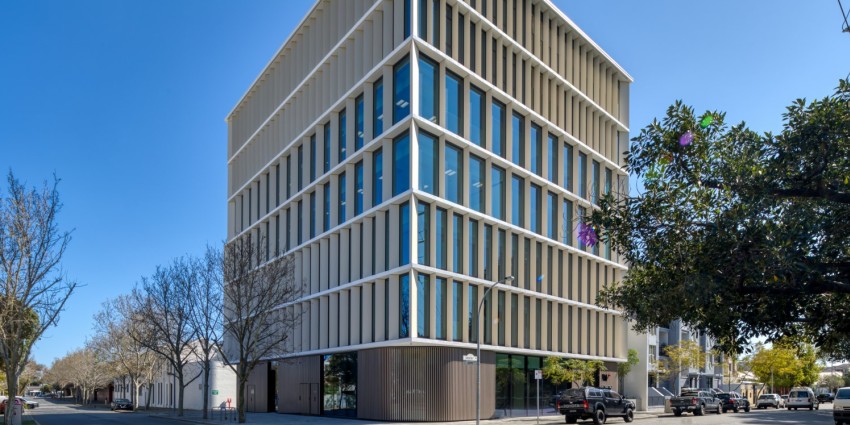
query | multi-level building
(409,154)
(651,385)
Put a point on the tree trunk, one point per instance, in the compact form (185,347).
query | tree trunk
(136,387)
(12,383)
(206,393)
(180,389)
(149,397)
(240,394)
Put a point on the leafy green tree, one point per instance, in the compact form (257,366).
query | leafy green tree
(623,369)
(681,357)
(738,233)
(582,372)
(776,366)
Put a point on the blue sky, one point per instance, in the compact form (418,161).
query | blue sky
(125,101)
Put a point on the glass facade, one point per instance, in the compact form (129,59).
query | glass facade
(472,270)
(358,188)
(442,239)
(568,167)
(476,116)
(404,234)
(403,306)
(457,243)
(339,388)
(457,310)
(536,150)
(401,90)
(453,174)
(341,211)
(552,159)
(401,164)
(440,308)
(429,94)
(498,128)
(359,124)
(326,148)
(518,139)
(423,306)
(377,177)
(517,201)
(454,103)
(497,193)
(342,132)
(582,175)
(429,156)
(423,238)
(535,209)
(378,108)
(551,214)
(476,181)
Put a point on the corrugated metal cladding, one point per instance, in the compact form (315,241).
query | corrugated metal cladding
(422,384)
(299,385)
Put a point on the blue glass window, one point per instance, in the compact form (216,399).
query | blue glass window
(476,116)
(454,174)
(552,214)
(401,164)
(312,215)
(594,182)
(358,188)
(300,230)
(518,139)
(300,167)
(552,159)
(472,307)
(401,90)
(428,161)
(440,308)
(442,239)
(473,248)
(567,230)
(429,95)
(326,149)
(535,208)
(454,103)
(378,108)
(457,313)
(517,201)
(342,133)
(423,231)
(423,305)
(497,193)
(582,175)
(536,149)
(498,128)
(313,158)
(457,243)
(341,186)
(406,23)
(403,306)
(359,125)
(377,177)
(404,233)
(476,180)
(581,213)
(327,207)
(608,178)
(488,252)
(568,167)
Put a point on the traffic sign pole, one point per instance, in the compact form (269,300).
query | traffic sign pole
(538,375)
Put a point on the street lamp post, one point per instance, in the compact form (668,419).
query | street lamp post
(478,350)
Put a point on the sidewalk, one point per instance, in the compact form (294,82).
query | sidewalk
(195,416)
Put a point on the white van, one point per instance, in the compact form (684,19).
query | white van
(801,397)
(841,406)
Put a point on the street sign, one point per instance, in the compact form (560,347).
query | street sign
(214,392)
(538,374)
(470,358)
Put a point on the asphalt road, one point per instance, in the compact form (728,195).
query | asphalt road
(52,412)
(63,413)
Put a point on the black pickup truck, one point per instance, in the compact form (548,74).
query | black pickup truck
(696,402)
(594,403)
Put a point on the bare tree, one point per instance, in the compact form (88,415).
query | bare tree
(258,317)
(33,289)
(83,368)
(118,340)
(164,308)
(206,298)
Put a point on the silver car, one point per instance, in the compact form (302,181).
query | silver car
(770,400)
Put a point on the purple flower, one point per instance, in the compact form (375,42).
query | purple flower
(686,138)
(587,234)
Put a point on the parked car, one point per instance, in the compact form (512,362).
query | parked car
(801,397)
(841,406)
(734,402)
(770,400)
(825,397)
(594,403)
(696,402)
(121,404)
(26,403)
